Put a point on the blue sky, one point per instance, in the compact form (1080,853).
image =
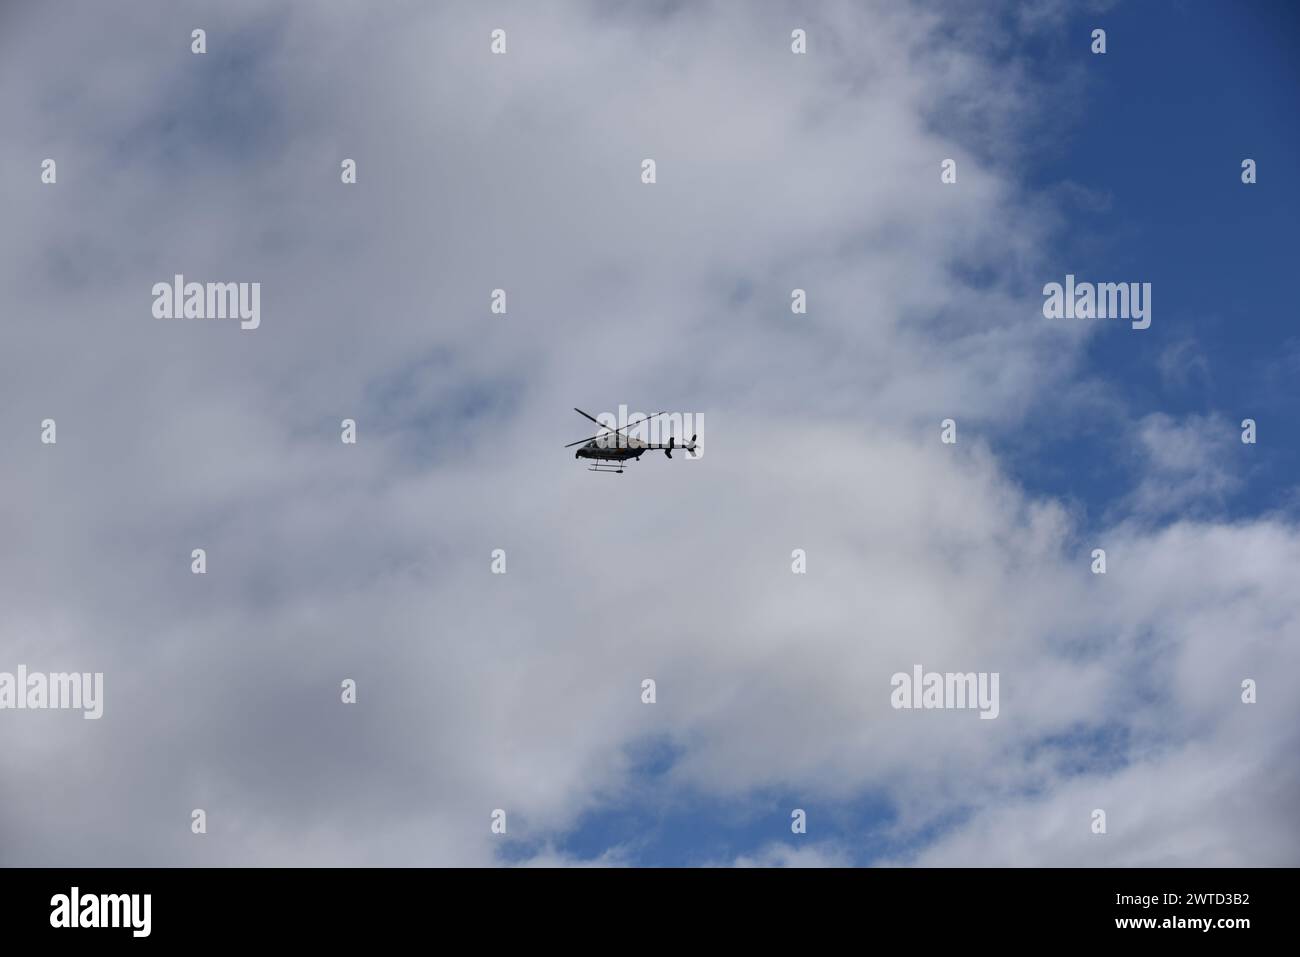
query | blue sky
(1185,92)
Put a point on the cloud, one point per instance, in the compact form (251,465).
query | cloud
(1199,778)
(784,855)
(1187,465)
(522,691)
(1182,364)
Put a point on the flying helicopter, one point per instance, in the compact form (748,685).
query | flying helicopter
(611,448)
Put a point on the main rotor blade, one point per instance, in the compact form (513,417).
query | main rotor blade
(604,426)
(593,418)
(637,422)
(646,418)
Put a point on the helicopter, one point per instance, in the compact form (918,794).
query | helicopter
(611,448)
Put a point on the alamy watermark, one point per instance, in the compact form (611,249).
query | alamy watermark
(1106,300)
(946,690)
(179,299)
(683,427)
(75,909)
(72,691)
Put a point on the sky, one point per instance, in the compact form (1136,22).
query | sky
(821,432)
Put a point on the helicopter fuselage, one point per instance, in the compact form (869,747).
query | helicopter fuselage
(616,452)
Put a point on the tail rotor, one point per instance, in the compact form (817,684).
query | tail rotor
(689,447)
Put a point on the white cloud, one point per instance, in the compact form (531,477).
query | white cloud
(372,562)
(1187,465)
(786,855)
